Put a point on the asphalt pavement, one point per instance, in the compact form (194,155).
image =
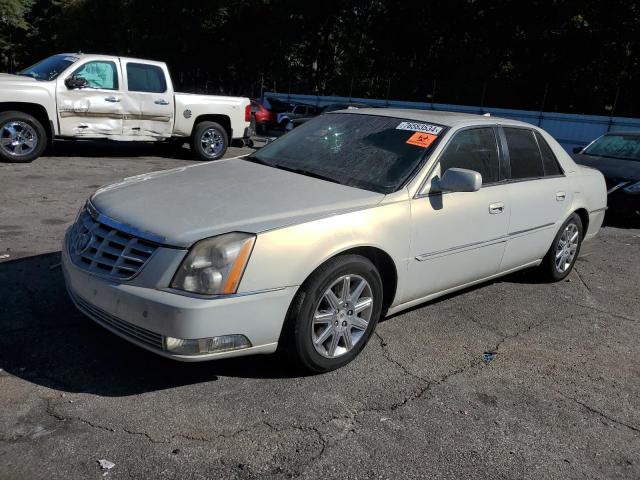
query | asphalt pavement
(511,379)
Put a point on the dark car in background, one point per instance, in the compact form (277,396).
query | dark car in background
(299,110)
(334,107)
(617,156)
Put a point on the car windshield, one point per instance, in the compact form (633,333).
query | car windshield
(364,151)
(49,68)
(625,147)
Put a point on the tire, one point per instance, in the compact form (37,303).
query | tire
(22,137)
(284,123)
(206,132)
(302,335)
(554,269)
(261,128)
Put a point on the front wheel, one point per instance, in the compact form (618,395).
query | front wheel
(22,137)
(210,141)
(334,314)
(564,250)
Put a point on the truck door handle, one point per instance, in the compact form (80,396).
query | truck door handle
(560,196)
(496,208)
(161,102)
(112,99)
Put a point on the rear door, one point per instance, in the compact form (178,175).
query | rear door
(96,110)
(539,196)
(149,107)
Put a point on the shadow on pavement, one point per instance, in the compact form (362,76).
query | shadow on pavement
(46,341)
(109,148)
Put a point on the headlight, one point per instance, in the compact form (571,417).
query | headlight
(214,266)
(633,188)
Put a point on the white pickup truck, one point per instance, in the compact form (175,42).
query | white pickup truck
(97,96)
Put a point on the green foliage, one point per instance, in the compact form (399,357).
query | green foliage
(560,54)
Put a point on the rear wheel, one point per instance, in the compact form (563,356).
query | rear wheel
(22,137)
(564,250)
(210,141)
(334,314)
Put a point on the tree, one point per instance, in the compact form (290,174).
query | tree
(13,15)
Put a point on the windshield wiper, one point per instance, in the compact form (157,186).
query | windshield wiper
(301,171)
(611,156)
(308,173)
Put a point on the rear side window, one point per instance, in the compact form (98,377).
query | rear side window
(549,160)
(145,78)
(474,149)
(524,154)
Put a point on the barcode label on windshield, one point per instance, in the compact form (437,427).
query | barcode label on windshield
(420,127)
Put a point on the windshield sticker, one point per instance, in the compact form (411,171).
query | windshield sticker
(420,139)
(420,127)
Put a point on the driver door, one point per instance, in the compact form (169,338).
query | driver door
(95,110)
(460,237)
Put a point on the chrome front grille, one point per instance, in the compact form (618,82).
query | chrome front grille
(106,251)
(124,328)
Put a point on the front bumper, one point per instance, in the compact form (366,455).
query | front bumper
(145,316)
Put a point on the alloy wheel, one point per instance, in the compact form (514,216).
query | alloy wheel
(567,247)
(18,138)
(342,316)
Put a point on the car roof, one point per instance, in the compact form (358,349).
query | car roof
(99,56)
(447,119)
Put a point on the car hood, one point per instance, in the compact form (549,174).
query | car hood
(187,204)
(612,168)
(6,79)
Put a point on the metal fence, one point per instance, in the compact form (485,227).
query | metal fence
(570,130)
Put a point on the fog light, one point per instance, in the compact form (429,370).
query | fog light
(201,346)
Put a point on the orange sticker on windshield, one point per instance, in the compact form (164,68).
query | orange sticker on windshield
(420,139)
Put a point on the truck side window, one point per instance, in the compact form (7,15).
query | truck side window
(99,74)
(145,78)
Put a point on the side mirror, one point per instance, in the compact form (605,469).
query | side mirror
(74,82)
(460,180)
(577,149)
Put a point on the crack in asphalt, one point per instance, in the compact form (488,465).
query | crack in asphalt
(600,413)
(575,269)
(606,312)
(50,410)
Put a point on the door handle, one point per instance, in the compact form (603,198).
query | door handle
(112,99)
(560,196)
(161,102)
(496,208)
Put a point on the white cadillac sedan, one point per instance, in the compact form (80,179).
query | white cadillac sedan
(308,242)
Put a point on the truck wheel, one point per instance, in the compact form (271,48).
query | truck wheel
(210,141)
(22,137)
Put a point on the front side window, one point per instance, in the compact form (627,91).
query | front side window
(145,78)
(624,147)
(474,149)
(370,152)
(99,74)
(524,154)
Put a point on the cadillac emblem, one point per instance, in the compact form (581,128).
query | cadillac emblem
(81,242)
